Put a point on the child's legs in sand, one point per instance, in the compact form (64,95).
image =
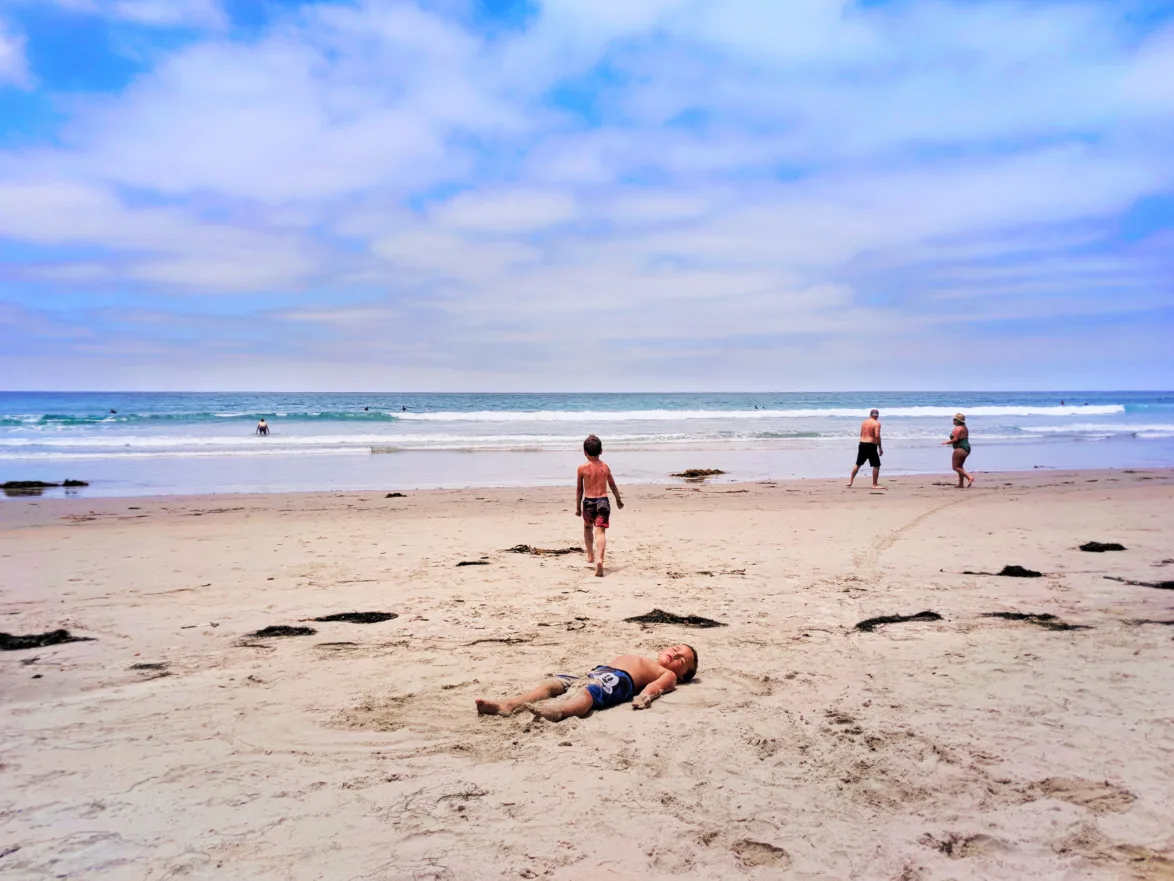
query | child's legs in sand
(577,703)
(548,689)
(588,540)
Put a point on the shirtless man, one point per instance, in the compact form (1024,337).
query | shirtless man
(591,501)
(870,449)
(632,678)
(262,427)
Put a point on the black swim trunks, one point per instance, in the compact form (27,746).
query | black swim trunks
(597,512)
(868,453)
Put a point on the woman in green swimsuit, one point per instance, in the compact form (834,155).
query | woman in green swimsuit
(960,441)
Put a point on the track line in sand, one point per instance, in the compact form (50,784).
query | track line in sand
(866,559)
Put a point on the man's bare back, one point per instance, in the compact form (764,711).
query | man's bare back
(870,430)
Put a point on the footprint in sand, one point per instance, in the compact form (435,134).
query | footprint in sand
(1100,797)
(1143,863)
(759,853)
(960,847)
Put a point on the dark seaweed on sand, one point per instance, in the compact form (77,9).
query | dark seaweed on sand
(1048,622)
(1160,585)
(473,563)
(659,616)
(359,617)
(10,642)
(1097,547)
(870,624)
(1009,572)
(695,473)
(1019,572)
(283,630)
(38,484)
(552,552)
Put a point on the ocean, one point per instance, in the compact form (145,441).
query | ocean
(141,443)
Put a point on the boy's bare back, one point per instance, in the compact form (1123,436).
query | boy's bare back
(595,476)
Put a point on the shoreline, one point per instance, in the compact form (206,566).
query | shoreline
(966,747)
(644,470)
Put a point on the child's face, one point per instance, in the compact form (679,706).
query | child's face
(677,658)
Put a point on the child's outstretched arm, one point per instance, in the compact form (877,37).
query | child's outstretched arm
(615,490)
(663,685)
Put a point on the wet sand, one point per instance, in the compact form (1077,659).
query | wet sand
(176,745)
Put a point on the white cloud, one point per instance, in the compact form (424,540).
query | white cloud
(161,245)
(14,69)
(505,211)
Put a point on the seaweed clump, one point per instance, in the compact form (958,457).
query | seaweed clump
(868,625)
(698,473)
(1048,622)
(38,484)
(1019,572)
(551,552)
(1011,571)
(1097,547)
(359,617)
(659,616)
(284,630)
(10,642)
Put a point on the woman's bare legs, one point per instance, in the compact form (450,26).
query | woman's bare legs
(959,458)
(549,688)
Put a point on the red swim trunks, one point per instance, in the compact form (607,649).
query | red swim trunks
(597,512)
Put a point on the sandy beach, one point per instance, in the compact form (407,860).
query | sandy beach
(175,745)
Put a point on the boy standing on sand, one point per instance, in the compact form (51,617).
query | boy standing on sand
(591,500)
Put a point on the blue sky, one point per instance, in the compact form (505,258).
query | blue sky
(586,194)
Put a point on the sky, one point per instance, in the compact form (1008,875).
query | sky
(586,195)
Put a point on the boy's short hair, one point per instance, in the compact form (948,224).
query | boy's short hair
(689,674)
(593,446)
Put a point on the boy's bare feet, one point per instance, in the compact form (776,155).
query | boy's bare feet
(549,712)
(598,570)
(879,486)
(495,708)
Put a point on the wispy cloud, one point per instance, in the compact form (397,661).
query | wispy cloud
(14,69)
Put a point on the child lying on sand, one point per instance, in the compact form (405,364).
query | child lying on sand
(629,677)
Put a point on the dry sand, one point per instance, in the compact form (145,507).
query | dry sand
(969,747)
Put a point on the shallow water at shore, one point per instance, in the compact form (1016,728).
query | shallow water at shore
(361,470)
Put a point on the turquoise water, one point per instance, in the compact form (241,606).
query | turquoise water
(132,443)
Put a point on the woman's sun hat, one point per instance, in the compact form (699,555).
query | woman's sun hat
(960,417)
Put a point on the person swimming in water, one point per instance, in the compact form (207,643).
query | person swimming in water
(960,440)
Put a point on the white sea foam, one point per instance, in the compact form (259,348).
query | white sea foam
(1102,428)
(592,416)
